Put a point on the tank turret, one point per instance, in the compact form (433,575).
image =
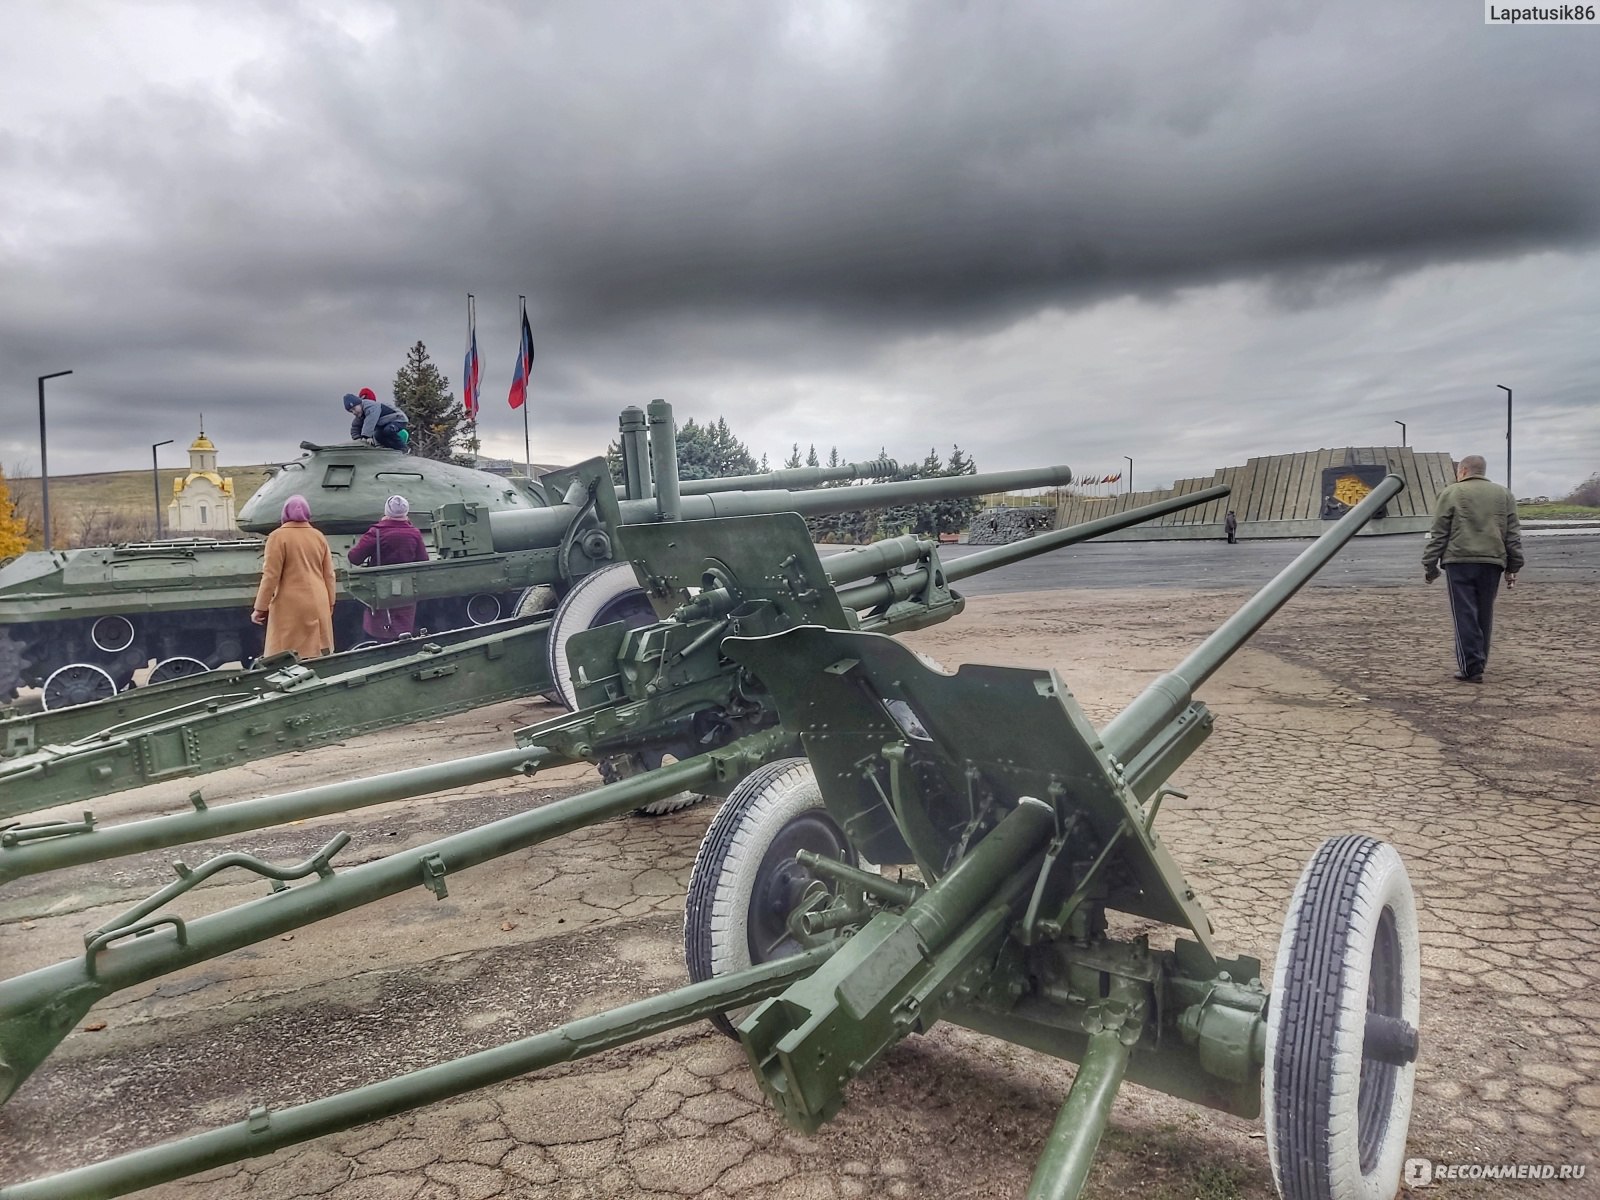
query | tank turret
(347,483)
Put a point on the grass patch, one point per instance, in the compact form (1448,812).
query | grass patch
(1558,511)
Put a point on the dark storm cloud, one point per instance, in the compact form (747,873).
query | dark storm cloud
(766,185)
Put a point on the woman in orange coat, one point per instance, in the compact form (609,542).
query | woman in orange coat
(295,600)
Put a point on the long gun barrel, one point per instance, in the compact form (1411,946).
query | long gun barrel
(533,528)
(1134,727)
(884,556)
(790,477)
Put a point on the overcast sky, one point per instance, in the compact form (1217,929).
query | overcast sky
(1051,232)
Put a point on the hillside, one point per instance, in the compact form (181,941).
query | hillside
(119,505)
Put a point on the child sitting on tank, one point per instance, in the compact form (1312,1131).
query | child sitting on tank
(377,423)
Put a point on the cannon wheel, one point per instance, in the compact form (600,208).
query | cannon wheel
(610,594)
(1341,1026)
(745,880)
(626,766)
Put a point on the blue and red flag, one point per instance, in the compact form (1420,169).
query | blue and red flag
(519,378)
(472,368)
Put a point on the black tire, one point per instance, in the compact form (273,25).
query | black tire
(78,683)
(745,880)
(1337,1107)
(610,594)
(628,766)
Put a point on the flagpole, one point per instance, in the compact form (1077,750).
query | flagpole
(472,328)
(527,443)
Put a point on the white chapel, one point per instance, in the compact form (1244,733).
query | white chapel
(202,500)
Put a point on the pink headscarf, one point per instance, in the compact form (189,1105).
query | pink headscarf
(296,508)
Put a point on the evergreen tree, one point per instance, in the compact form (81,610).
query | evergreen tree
(811,458)
(953,516)
(793,460)
(13,528)
(704,452)
(439,426)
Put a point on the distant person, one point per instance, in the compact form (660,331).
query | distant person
(1230,525)
(376,422)
(392,540)
(1477,538)
(295,599)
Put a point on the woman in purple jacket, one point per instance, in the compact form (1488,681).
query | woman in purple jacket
(392,540)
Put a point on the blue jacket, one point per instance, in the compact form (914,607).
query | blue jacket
(373,413)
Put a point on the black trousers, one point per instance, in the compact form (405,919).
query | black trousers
(1472,590)
(388,436)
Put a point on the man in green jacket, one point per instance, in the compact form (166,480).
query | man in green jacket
(1477,538)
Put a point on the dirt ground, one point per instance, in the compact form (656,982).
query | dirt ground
(1341,716)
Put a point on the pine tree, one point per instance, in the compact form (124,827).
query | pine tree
(13,528)
(704,452)
(811,459)
(439,426)
(793,460)
(955,515)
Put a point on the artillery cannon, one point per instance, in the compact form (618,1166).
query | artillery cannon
(1025,830)
(80,623)
(185,728)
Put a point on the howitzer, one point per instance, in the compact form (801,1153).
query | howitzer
(1025,828)
(641,693)
(627,721)
(80,623)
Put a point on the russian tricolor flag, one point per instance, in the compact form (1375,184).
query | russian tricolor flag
(471,369)
(519,378)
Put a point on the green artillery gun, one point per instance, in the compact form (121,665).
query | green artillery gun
(187,727)
(80,623)
(1021,830)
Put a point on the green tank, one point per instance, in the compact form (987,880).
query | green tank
(79,623)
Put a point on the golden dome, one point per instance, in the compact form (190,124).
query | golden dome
(201,443)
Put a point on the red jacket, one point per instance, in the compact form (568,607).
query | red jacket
(392,540)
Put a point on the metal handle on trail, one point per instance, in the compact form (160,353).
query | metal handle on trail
(318,864)
(1164,699)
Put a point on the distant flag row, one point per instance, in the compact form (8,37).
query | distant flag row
(1117,478)
(472,366)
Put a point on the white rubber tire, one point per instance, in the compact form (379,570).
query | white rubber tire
(1351,930)
(722,884)
(585,607)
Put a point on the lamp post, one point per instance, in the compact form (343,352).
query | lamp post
(155,479)
(44,461)
(1507,391)
(1130,471)
(1402,425)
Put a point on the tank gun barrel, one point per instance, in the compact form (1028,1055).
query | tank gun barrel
(881,556)
(791,477)
(1137,725)
(533,528)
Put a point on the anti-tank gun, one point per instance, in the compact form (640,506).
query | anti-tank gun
(1028,831)
(80,623)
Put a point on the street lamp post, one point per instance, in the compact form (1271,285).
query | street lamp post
(44,461)
(1130,472)
(155,479)
(1507,391)
(1402,425)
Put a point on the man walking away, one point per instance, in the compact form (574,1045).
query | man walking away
(1477,537)
(1230,523)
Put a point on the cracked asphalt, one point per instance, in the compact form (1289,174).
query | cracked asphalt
(1340,716)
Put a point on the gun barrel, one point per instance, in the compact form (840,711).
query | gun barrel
(790,477)
(886,591)
(1133,728)
(533,529)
